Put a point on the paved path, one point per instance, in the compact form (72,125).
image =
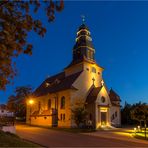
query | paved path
(52,138)
(120,134)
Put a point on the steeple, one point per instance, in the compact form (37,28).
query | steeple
(83,48)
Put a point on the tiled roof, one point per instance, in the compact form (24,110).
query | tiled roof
(56,83)
(92,96)
(114,96)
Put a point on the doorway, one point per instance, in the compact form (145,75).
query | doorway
(103,118)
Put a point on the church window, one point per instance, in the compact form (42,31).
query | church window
(116,114)
(49,104)
(87,69)
(47,84)
(102,99)
(90,116)
(63,117)
(93,69)
(98,73)
(89,54)
(113,117)
(63,102)
(45,117)
(39,105)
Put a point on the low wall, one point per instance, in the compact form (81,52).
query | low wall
(10,129)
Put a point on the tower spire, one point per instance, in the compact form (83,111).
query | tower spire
(83,19)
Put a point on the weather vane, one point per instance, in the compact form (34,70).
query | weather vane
(83,18)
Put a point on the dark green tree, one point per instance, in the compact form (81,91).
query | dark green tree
(79,113)
(125,114)
(17,103)
(140,113)
(16,21)
(11,105)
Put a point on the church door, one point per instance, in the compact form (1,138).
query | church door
(103,118)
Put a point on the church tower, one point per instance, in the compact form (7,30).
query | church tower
(83,48)
(83,52)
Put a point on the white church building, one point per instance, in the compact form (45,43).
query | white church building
(81,79)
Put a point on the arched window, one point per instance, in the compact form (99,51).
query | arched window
(39,105)
(49,104)
(103,99)
(93,69)
(90,116)
(63,102)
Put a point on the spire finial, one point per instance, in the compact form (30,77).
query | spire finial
(83,19)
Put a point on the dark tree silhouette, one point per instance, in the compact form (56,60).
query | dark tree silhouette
(16,22)
(17,103)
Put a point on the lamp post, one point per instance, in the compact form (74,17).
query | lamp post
(30,104)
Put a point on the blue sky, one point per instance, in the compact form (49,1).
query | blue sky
(120,36)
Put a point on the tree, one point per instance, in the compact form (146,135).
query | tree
(125,114)
(11,105)
(16,22)
(140,113)
(79,113)
(17,103)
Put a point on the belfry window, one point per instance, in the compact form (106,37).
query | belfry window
(89,54)
(63,102)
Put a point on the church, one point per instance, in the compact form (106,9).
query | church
(80,80)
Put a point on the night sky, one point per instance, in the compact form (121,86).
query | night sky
(120,36)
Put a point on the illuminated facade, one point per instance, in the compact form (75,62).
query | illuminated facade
(80,80)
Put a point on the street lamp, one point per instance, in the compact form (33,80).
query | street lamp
(30,103)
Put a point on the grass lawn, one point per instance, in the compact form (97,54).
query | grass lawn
(12,140)
(141,135)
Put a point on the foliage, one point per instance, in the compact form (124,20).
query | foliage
(140,113)
(79,112)
(133,113)
(125,114)
(16,22)
(17,103)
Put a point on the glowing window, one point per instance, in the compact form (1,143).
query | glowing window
(63,102)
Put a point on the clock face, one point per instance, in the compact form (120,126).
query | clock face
(102,99)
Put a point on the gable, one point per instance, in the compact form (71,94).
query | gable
(103,97)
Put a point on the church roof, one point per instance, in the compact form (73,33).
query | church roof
(56,83)
(92,96)
(114,96)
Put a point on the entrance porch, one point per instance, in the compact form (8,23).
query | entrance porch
(103,114)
